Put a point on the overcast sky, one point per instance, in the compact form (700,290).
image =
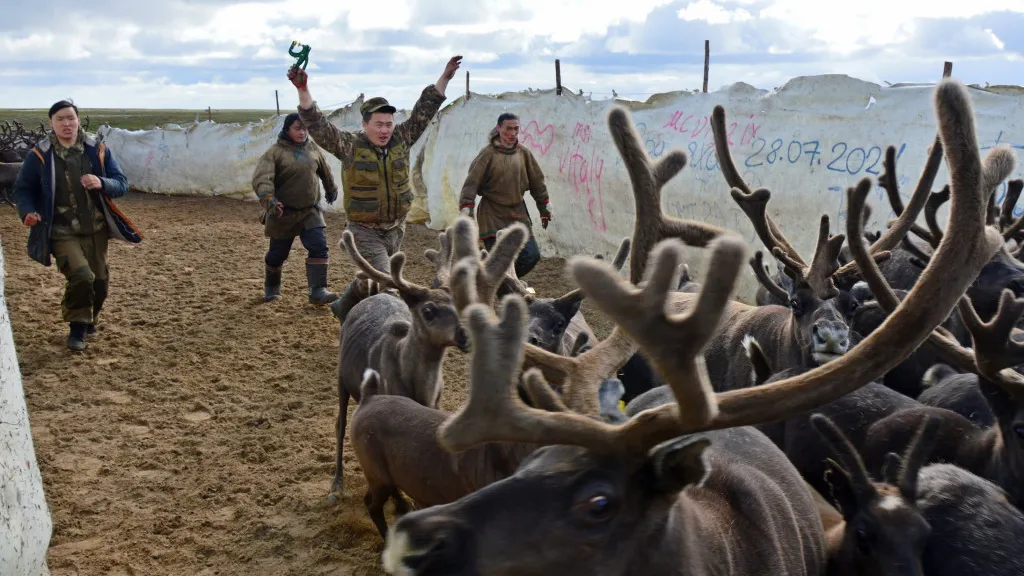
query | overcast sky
(198,53)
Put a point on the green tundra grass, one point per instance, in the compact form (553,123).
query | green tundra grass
(137,118)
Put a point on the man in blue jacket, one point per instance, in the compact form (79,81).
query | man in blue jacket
(64,194)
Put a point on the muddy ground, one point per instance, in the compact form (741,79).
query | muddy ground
(196,433)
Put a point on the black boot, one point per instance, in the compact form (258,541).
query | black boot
(272,284)
(76,339)
(316,276)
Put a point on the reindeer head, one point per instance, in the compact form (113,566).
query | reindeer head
(885,533)
(433,310)
(820,311)
(549,317)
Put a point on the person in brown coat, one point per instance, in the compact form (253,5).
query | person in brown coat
(285,180)
(375,170)
(501,174)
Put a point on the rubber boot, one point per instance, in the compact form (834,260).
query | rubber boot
(272,284)
(316,275)
(76,338)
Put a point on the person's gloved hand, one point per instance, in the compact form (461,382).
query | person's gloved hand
(332,195)
(273,206)
(545,217)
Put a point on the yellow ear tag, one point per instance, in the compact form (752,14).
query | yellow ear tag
(622,405)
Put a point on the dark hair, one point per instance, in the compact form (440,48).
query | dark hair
(62,105)
(289,120)
(506,116)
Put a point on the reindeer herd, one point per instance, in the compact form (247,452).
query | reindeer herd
(865,417)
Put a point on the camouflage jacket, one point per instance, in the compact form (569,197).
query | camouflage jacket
(344,144)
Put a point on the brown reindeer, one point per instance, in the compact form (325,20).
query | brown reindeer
(404,338)
(649,496)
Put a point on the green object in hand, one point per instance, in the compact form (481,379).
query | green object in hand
(302,56)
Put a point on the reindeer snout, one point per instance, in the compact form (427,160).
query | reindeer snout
(829,340)
(433,546)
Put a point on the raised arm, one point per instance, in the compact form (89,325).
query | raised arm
(427,105)
(327,135)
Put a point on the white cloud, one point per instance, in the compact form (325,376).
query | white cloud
(712,13)
(233,54)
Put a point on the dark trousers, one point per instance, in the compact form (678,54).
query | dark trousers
(83,262)
(314,240)
(528,257)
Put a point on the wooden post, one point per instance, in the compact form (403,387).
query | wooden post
(278,102)
(467,84)
(558,77)
(707,61)
(209,113)
(947,69)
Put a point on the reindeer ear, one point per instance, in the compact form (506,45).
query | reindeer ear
(680,463)
(841,490)
(570,305)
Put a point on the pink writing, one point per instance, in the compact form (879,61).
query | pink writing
(537,138)
(585,176)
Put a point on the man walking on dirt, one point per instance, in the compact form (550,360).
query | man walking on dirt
(375,165)
(64,193)
(501,174)
(285,180)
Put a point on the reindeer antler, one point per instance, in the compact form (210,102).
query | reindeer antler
(755,205)
(935,201)
(818,275)
(395,279)
(493,414)
(993,349)
(1011,227)
(757,263)
(647,179)
(850,462)
(902,472)
(482,277)
(441,259)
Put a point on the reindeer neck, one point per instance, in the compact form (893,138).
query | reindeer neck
(420,367)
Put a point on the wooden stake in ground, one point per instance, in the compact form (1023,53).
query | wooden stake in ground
(707,61)
(467,84)
(947,69)
(278,102)
(558,77)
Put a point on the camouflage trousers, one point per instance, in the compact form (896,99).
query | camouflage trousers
(83,262)
(377,246)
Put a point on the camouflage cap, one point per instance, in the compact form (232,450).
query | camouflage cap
(378,104)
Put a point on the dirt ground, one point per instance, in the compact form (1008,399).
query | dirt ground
(196,433)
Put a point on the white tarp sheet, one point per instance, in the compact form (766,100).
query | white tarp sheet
(807,142)
(25,524)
